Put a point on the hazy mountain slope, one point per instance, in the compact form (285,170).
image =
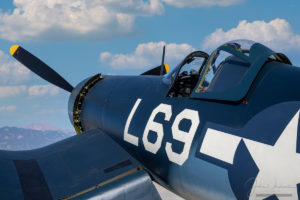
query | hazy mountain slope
(15,138)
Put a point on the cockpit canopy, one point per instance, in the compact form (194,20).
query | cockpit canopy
(226,74)
(224,70)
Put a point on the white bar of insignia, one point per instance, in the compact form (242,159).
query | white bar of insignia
(220,145)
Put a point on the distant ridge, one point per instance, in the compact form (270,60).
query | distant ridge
(21,138)
(45,127)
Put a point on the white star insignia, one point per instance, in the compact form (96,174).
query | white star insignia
(279,165)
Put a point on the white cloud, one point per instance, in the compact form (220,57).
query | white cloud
(42,90)
(74,19)
(35,90)
(201,3)
(276,34)
(146,55)
(7,108)
(11,91)
(83,19)
(11,71)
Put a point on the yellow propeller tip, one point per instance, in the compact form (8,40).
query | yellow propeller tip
(13,49)
(167,67)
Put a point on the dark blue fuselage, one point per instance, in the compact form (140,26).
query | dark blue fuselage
(272,101)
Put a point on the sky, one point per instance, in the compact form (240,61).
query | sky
(80,38)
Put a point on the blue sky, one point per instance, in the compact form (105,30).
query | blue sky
(79,38)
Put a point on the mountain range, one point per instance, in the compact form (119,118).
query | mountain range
(31,137)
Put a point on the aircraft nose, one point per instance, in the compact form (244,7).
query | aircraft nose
(76,100)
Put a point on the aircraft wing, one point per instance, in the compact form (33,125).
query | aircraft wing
(83,166)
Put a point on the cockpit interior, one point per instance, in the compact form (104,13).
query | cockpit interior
(223,70)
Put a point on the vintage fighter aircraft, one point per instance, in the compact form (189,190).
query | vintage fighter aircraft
(223,126)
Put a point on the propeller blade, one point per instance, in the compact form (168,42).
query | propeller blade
(39,67)
(163,61)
